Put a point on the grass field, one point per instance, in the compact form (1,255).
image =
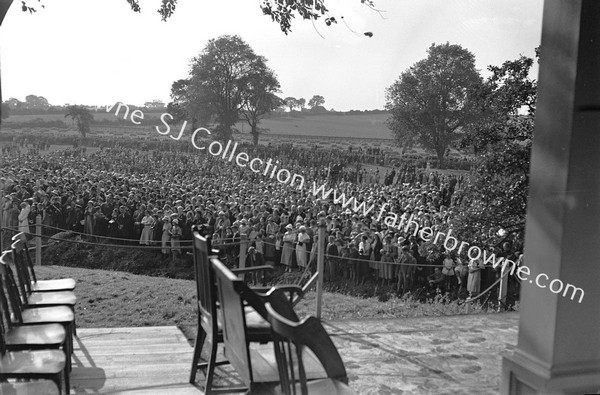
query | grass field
(355,126)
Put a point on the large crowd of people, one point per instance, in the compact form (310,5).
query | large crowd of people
(154,195)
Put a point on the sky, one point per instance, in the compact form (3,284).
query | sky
(98,52)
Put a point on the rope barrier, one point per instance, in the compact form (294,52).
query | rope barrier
(141,247)
(298,282)
(488,289)
(105,237)
(184,244)
(367,261)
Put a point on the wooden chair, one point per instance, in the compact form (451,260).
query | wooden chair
(62,315)
(256,367)
(210,317)
(62,284)
(30,337)
(38,364)
(33,299)
(36,387)
(292,338)
(28,295)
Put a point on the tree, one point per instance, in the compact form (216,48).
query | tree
(14,104)
(503,138)
(300,103)
(290,102)
(34,102)
(316,100)
(82,118)
(222,77)
(435,98)
(281,12)
(260,98)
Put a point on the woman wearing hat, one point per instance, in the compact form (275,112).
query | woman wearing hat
(147,224)
(271,229)
(24,219)
(288,247)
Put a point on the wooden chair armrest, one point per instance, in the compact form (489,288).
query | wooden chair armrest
(257,297)
(252,269)
(262,269)
(290,289)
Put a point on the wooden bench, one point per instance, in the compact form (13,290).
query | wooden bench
(210,314)
(255,365)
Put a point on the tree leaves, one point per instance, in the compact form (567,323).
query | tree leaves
(227,80)
(280,11)
(82,118)
(434,98)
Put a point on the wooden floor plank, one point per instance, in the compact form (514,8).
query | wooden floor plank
(148,360)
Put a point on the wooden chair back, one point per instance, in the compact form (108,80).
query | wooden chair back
(26,256)
(234,321)
(205,282)
(4,309)
(291,337)
(10,290)
(5,319)
(19,249)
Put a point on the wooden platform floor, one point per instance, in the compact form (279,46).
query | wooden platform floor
(145,360)
(429,355)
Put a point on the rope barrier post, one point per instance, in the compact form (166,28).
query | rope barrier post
(243,252)
(502,290)
(38,240)
(320,265)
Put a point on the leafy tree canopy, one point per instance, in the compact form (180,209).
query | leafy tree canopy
(226,79)
(290,102)
(260,98)
(502,137)
(316,100)
(82,118)
(435,98)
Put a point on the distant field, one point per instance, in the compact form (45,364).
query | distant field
(100,116)
(356,126)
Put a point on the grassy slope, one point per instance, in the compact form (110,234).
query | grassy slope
(118,299)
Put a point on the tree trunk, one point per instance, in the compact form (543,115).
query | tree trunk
(440,151)
(254,133)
